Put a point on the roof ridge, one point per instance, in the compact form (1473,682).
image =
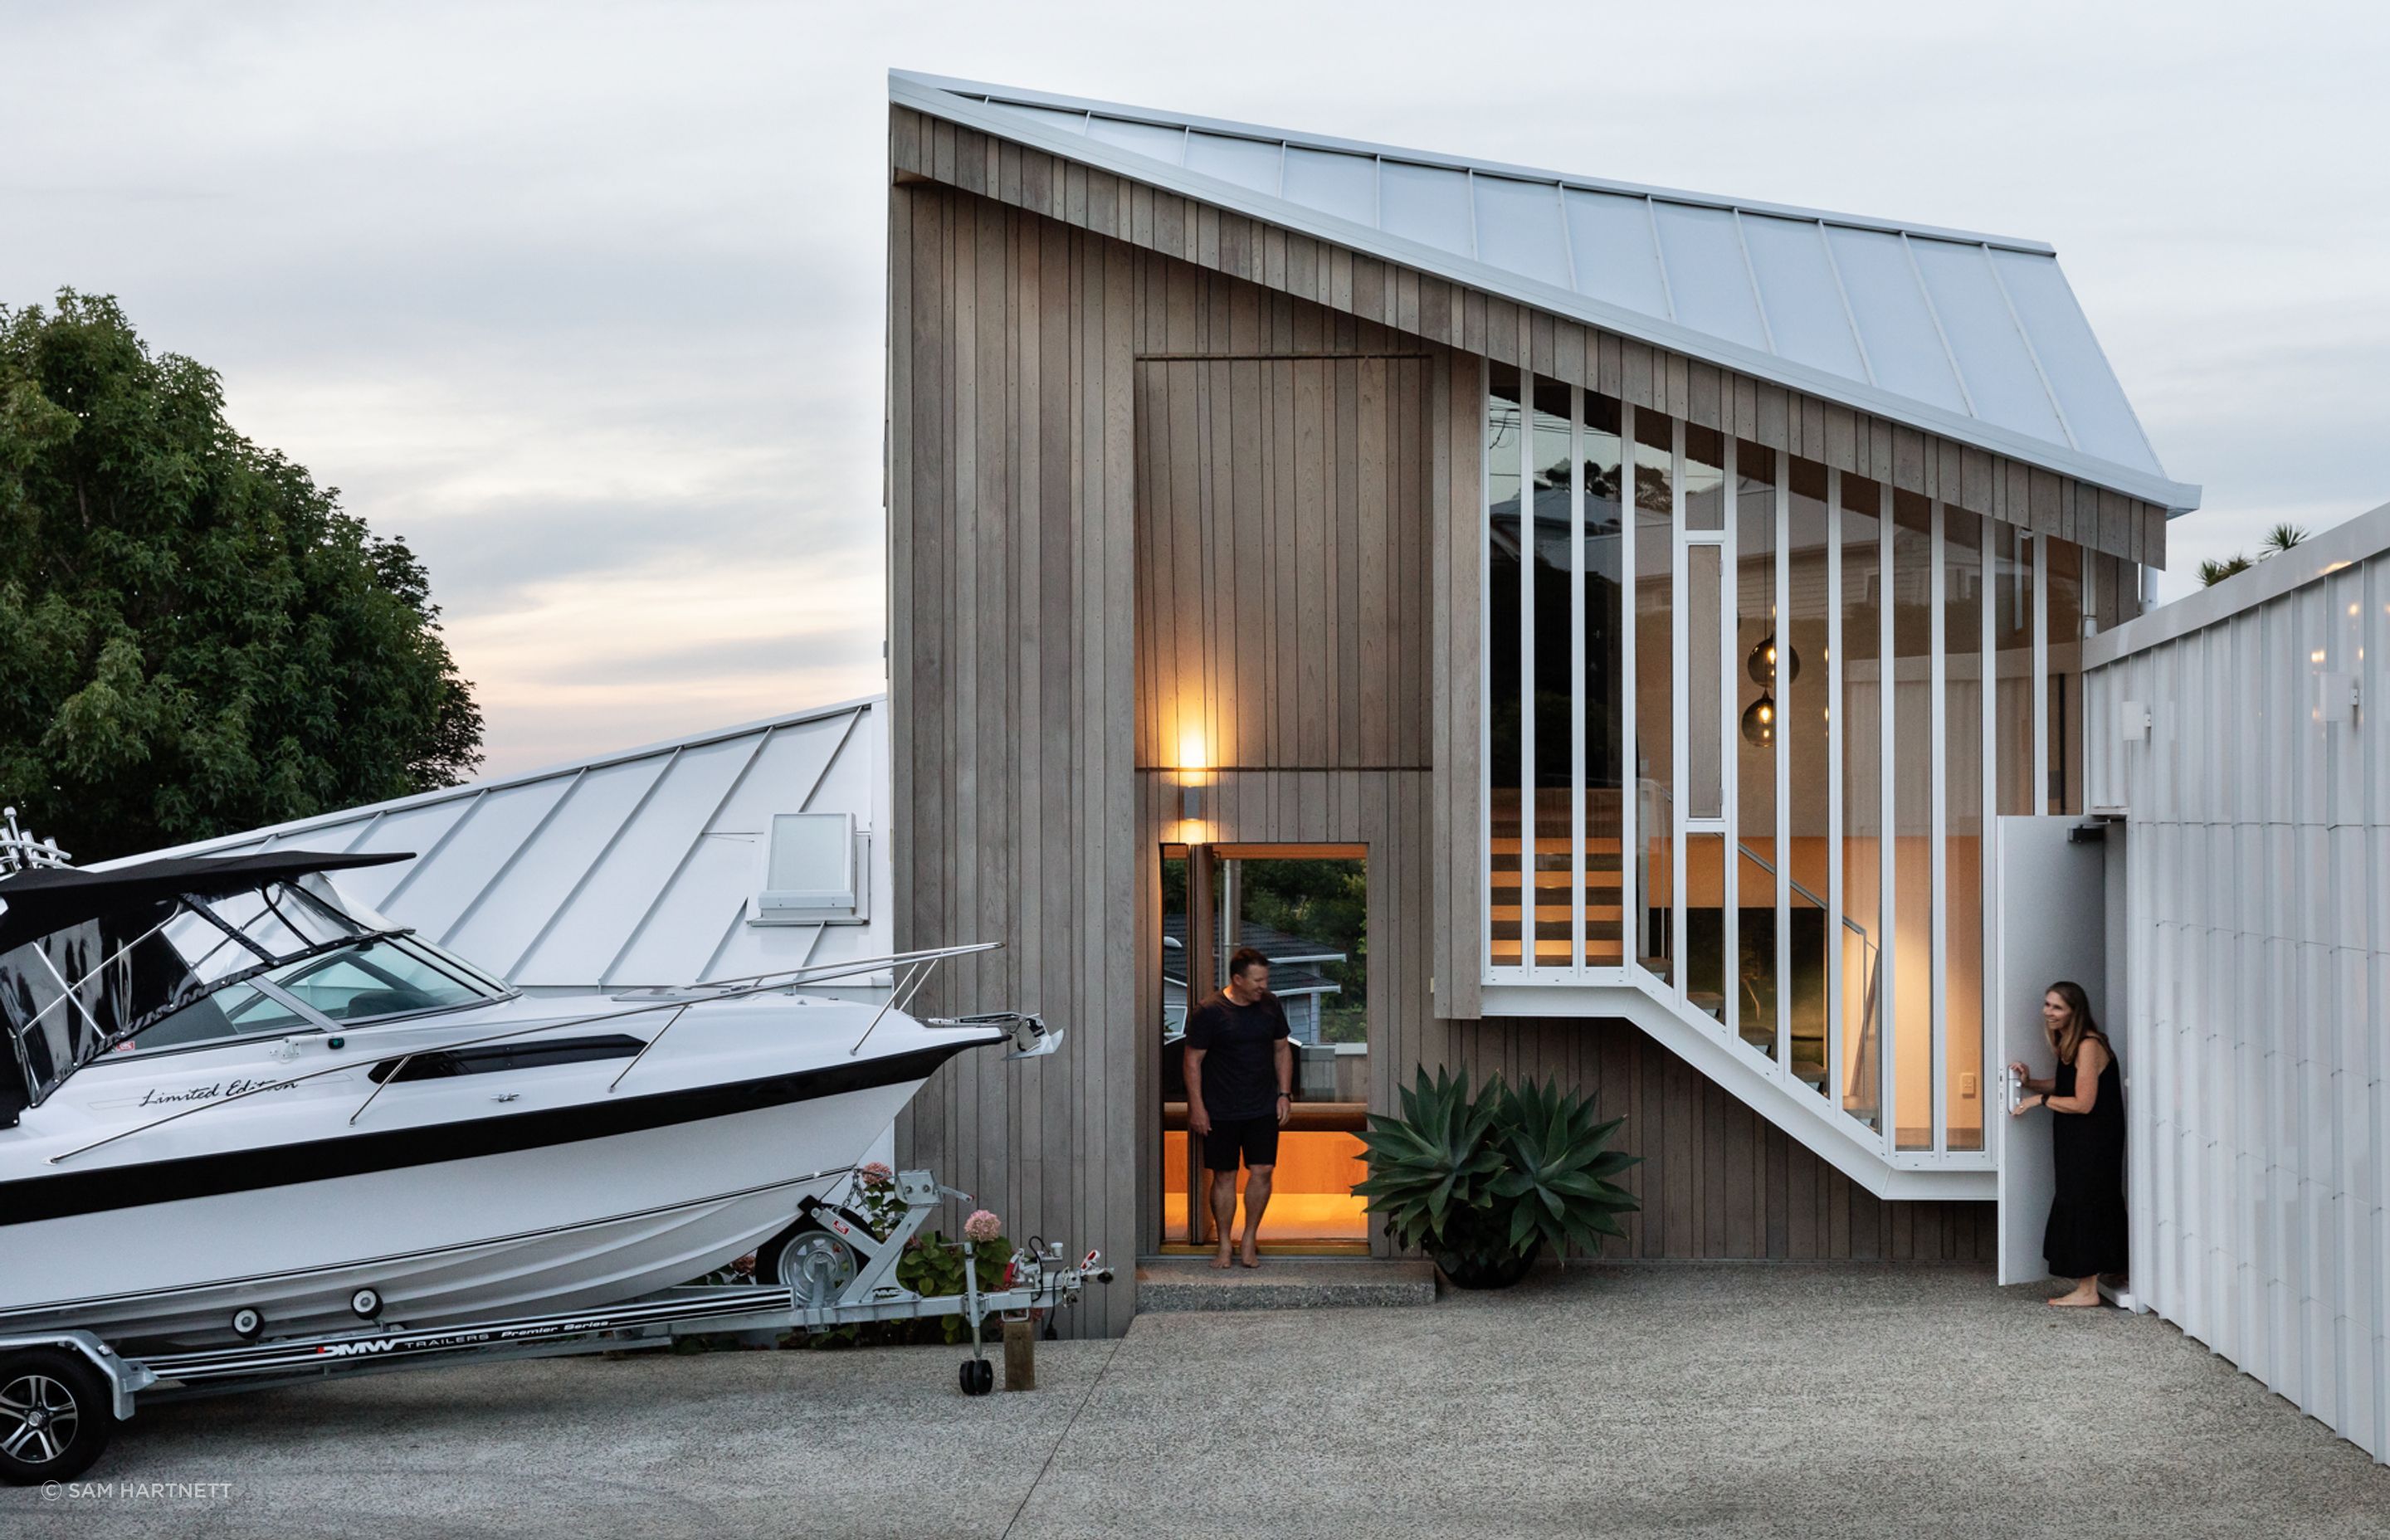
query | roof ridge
(1001,95)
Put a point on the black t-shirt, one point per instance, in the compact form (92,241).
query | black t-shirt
(1239,1048)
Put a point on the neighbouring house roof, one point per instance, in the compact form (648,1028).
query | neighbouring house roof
(622,870)
(1976,338)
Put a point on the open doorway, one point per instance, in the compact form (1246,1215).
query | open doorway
(1305,908)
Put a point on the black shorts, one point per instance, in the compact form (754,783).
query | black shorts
(1255,1138)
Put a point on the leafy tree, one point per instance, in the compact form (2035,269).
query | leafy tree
(2281,538)
(194,638)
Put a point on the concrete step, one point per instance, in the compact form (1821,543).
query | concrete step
(1282,1283)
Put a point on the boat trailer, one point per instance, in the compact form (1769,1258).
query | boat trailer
(836,1272)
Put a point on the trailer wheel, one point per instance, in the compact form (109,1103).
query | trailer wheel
(55,1415)
(811,1262)
(978,1376)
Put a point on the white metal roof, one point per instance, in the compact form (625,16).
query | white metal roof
(1974,337)
(629,870)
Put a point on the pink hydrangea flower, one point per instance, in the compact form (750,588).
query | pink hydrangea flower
(983,1226)
(874,1173)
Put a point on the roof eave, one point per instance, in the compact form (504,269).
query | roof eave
(927,94)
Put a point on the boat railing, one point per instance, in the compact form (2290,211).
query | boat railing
(911,970)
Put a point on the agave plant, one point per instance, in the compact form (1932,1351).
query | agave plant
(1484,1182)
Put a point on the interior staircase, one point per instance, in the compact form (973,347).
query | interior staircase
(1793,1093)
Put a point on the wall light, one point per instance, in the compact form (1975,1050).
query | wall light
(1192,776)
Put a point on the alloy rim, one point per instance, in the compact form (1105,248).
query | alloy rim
(37,1419)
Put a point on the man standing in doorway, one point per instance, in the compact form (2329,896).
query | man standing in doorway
(1239,1083)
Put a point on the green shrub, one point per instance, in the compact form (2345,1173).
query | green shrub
(1491,1178)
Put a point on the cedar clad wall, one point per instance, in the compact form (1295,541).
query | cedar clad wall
(1031,364)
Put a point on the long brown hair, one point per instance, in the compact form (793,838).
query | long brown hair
(2080,1022)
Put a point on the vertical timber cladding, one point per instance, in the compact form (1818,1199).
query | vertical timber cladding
(1016,347)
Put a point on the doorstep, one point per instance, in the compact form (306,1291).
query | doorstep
(1282,1283)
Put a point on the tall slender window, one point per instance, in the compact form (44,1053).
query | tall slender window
(1505,448)
(2010,559)
(1760,664)
(1912,782)
(1705,496)
(1803,715)
(1655,652)
(1962,825)
(2063,792)
(1605,754)
(1864,1006)
(1553,624)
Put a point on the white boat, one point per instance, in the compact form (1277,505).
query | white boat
(234,1103)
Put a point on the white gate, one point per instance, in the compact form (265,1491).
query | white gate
(2051,911)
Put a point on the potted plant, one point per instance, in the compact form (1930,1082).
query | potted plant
(1482,1183)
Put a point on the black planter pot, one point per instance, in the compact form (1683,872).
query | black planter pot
(1484,1271)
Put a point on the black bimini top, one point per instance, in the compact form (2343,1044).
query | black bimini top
(52,899)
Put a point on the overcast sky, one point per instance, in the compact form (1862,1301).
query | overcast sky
(584,300)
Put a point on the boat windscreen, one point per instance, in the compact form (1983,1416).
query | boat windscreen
(93,986)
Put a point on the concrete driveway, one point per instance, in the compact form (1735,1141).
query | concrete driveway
(1657,1400)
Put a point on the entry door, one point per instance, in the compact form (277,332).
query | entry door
(2051,897)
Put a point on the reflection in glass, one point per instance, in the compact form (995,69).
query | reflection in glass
(1505,435)
(1802,692)
(2011,599)
(1706,923)
(1862,935)
(1760,664)
(1655,651)
(2063,792)
(1552,579)
(1912,781)
(1605,756)
(1704,726)
(1705,478)
(1962,826)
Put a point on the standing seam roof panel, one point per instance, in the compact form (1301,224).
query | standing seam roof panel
(1802,302)
(1428,204)
(1611,237)
(1896,322)
(2071,356)
(2001,342)
(1246,162)
(1519,228)
(1342,186)
(1707,275)
(1166,145)
(2001,377)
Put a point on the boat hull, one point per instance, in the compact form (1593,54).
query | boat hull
(549,1181)
(580,1224)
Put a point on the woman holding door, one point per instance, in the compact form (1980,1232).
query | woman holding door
(2086,1236)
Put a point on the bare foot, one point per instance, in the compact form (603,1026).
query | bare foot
(2075,1301)
(1253,1257)
(1225,1259)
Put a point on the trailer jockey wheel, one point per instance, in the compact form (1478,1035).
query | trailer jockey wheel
(55,1415)
(979,1377)
(366,1303)
(247,1323)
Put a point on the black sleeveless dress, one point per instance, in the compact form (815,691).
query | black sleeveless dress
(2086,1234)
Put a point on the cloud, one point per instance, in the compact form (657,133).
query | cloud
(584,300)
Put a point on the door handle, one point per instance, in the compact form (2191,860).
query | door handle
(2011,1090)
